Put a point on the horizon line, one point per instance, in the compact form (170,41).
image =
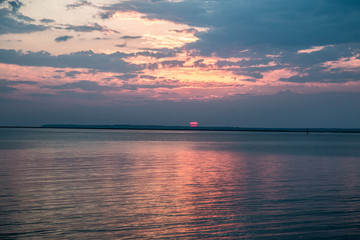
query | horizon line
(192,128)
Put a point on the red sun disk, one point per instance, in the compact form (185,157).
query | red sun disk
(194,124)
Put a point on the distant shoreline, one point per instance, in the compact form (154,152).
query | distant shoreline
(188,128)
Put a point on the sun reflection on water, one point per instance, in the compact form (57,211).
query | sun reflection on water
(138,188)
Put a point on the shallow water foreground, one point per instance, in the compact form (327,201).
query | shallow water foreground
(128,184)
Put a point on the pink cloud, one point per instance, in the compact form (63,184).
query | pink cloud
(273,76)
(346,64)
(313,49)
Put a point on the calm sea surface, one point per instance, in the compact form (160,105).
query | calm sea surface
(129,184)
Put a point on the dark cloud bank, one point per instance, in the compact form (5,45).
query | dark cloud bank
(7,86)
(257,22)
(285,109)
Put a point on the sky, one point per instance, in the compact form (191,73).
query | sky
(244,63)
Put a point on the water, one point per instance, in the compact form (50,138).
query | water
(119,184)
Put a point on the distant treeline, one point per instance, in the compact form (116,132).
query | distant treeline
(160,127)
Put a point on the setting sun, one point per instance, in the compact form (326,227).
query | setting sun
(194,124)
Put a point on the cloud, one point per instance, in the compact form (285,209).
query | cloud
(319,74)
(327,65)
(334,53)
(158,53)
(47,20)
(121,45)
(148,77)
(14,22)
(199,63)
(83,85)
(78,4)
(188,30)
(126,77)
(15,5)
(337,64)
(259,36)
(11,82)
(5,85)
(68,95)
(63,38)
(6,89)
(43,95)
(345,64)
(313,49)
(89,28)
(236,25)
(250,63)
(85,59)
(76,96)
(105,15)
(72,74)
(147,86)
(173,63)
(101,38)
(130,37)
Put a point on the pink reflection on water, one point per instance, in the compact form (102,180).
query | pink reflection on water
(176,186)
(168,189)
